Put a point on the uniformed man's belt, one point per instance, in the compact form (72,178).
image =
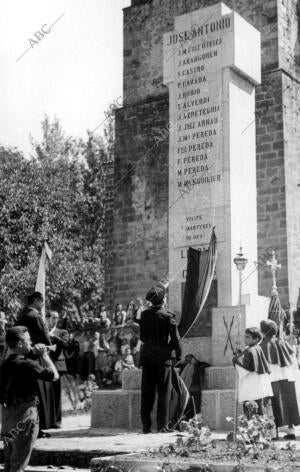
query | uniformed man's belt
(155,340)
(18,400)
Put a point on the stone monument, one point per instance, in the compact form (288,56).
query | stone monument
(137,212)
(212,166)
(211,64)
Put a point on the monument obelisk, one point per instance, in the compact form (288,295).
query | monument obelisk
(212,63)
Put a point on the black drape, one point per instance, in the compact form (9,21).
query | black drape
(200,270)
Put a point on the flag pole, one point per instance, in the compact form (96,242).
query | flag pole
(240,261)
(40,285)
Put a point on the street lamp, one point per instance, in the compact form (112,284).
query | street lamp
(240,261)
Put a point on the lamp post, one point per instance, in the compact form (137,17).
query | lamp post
(240,261)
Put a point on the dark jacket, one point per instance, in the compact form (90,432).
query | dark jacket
(159,334)
(58,356)
(36,326)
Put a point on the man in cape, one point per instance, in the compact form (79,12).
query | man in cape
(284,400)
(159,334)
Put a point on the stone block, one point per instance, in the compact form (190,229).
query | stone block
(200,347)
(219,378)
(251,315)
(110,408)
(121,409)
(216,406)
(131,379)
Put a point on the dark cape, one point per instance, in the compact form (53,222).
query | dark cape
(284,401)
(178,401)
(192,374)
(254,360)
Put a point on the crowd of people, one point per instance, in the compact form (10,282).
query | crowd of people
(100,344)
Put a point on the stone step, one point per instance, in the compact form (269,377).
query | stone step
(39,468)
(216,378)
(121,409)
(219,378)
(78,459)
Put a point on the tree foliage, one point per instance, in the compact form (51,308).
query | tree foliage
(58,195)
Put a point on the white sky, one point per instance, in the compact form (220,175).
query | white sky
(73,73)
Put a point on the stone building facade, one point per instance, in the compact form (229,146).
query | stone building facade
(137,216)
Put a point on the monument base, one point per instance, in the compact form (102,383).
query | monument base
(120,409)
(212,349)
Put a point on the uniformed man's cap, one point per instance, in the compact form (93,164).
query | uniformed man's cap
(156,295)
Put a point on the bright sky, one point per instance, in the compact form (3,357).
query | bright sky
(74,72)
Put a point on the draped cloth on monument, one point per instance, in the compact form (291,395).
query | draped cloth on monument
(200,271)
(178,399)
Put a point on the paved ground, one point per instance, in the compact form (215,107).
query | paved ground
(76,443)
(77,434)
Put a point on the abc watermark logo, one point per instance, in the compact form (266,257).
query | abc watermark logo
(39,35)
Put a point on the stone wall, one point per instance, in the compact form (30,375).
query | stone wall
(144,26)
(138,249)
(138,230)
(291,130)
(271,211)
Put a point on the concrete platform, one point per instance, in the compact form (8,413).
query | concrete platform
(219,378)
(121,408)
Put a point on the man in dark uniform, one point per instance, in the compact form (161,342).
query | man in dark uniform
(18,395)
(31,318)
(160,337)
(60,338)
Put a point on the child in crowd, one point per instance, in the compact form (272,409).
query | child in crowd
(130,311)
(139,304)
(101,359)
(128,363)
(124,346)
(104,322)
(118,368)
(119,316)
(114,342)
(92,352)
(136,356)
(71,351)
(254,373)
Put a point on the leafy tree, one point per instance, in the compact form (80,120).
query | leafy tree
(57,195)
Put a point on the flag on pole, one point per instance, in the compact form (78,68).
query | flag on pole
(40,285)
(276,312)
(200,272)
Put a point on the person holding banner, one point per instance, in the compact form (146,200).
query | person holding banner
(31,318)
